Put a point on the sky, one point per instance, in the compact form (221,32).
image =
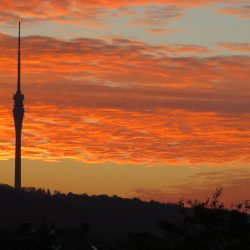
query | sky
(136,98)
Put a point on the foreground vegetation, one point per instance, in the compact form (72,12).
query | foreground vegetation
(131,224)
(206,225)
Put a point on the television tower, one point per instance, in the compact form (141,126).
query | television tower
(18,113)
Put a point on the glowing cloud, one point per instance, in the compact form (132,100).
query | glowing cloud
(126,101)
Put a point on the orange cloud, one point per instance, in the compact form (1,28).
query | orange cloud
(234,182)
(238,47)
(161,31)
(159,136)
(241,11)
(89,11)
(126,101)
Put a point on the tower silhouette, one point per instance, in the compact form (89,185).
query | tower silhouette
(18,113)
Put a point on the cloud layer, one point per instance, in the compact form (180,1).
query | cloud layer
(68,11)
(233,180)
(126,101)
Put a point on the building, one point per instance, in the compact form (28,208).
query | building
(18,113)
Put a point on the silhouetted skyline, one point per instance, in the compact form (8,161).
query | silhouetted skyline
(18,113)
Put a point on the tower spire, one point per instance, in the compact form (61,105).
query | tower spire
(19,61)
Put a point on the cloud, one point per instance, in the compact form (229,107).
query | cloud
(95,12)
(126,101)
(161,31)
(157,16)
(241,11)
(237,47)
(116,135)
(234,182)
(58,11)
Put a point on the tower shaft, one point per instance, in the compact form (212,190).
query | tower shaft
(18,114)
(18,156)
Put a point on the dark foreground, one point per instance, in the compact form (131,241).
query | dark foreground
(37,219)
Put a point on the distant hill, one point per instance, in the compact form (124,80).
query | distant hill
(109,217)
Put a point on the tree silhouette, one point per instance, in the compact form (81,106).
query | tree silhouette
(206,225)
